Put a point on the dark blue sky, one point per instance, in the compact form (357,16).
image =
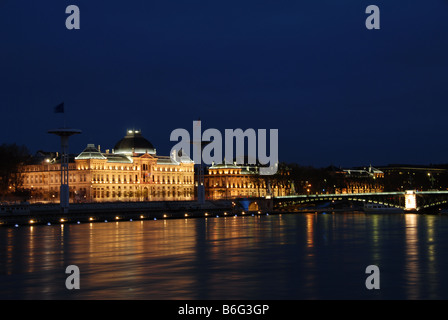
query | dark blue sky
(338,93)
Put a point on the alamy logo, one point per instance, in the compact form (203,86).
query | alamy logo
(72,21)
(373,280)
(373,20)
(72,281)
(208,146)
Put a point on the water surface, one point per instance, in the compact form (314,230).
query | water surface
(288,256)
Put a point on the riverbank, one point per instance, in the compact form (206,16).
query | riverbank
(33,214)
(114,211)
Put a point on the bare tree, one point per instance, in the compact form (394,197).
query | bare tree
(11,157)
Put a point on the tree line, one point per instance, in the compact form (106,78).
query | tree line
(12,156)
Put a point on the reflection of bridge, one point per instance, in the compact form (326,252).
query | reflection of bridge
(408,200)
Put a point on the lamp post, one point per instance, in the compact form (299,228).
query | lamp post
(201,187)
(64,134)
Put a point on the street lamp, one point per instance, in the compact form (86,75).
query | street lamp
(64,134)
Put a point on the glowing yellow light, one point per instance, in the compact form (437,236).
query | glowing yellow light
(411,200)
(186,214)
(225,213)
(206,214)
(117,217)
(31,221)
(164,215)
(62,220)
(91,219)
(141,217)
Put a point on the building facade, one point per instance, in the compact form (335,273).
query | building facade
(229,181)
(131,172)
(361,180)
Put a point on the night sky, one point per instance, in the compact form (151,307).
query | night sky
(338,93)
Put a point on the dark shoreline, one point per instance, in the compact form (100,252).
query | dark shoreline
(114,211)
(91,217)
(109,212)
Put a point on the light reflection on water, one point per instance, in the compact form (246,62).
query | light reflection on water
(289,256)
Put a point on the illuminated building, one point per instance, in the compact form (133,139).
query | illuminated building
(227,181)
(362,180)
(334,180)
(131,172)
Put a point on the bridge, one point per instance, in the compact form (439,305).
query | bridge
(410,200)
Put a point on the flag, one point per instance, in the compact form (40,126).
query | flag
(59,108)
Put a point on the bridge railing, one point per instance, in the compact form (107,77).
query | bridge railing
(425,199)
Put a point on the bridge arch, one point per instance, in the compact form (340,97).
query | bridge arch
(333,199)
(393,199)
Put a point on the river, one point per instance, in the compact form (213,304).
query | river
(284,257)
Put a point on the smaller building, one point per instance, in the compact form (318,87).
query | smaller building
(229,181)
(361,180)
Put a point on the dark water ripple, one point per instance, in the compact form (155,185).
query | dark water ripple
(289,256)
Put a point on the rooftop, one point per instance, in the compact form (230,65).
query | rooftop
(90,152)
(134,142)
